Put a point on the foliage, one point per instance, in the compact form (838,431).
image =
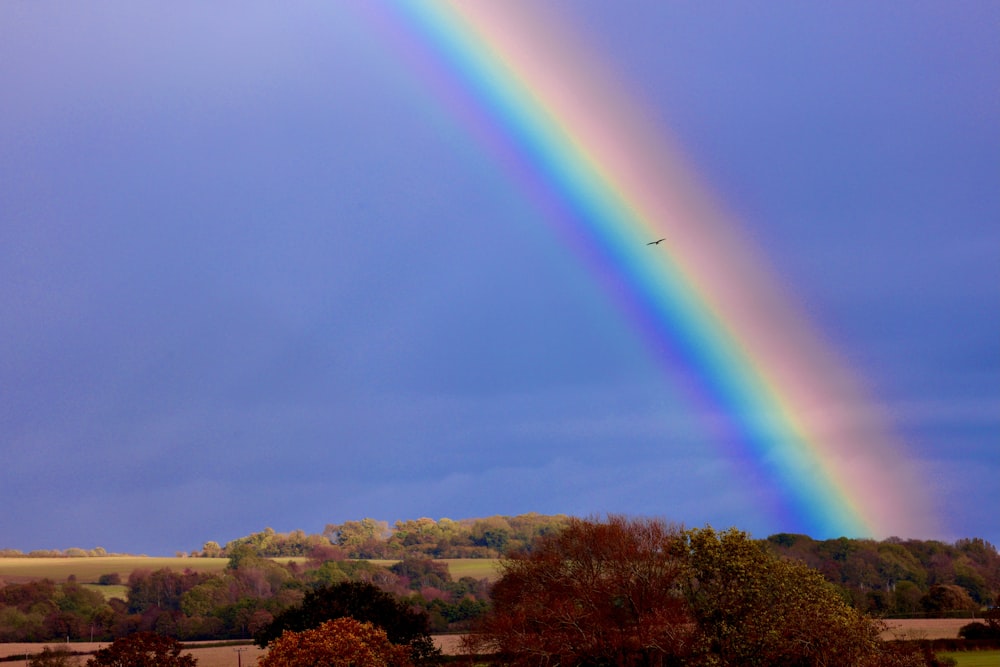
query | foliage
(942,598)
(634,592)
(54,657)
(342,642)
(988,630)
(894,576)
(750,608)
(595,592)
(233,601)
(236,597)
(142,649)
(270,544)
(361,601)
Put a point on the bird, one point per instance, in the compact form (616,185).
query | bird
(656,242)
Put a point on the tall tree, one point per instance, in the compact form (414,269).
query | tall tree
(752,609)
(594,592)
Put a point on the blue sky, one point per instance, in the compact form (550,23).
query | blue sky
(253,273)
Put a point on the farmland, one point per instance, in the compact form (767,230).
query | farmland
(923,628)
(89,570)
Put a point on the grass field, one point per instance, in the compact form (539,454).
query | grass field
(974,658)
(477,568)
(89,570)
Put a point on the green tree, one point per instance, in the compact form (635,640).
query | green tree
(493,533)
(142,649)
(752,609)
(357,533)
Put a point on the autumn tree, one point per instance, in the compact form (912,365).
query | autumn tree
(638,592)
(361,601)
(944,598)
(342,642)
(142,649)
(594,593)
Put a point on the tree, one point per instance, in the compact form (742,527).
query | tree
(342,642)
(142,649)
(943,598)
(361,601)
(639,592)
(594,593)
(751,608)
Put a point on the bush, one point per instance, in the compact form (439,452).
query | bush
(344,642)
(142,649)
(978,630)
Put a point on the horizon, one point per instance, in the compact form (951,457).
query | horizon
(186,553)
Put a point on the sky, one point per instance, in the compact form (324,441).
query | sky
(255,271)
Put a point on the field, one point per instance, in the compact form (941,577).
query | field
(477,568)
(923,628)
(974,658)
(213,656)
(226,656)
(89,570)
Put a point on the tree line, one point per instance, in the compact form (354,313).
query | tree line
(896,577)
(615,592)
(892,577)
(488,537)
(899,577)
(236,603)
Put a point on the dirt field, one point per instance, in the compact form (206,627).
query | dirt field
(225,656)
(924,628)
(218,656)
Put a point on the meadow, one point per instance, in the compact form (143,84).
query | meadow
(89,570)
(973,658)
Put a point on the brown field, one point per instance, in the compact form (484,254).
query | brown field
(924,628)
(215,656)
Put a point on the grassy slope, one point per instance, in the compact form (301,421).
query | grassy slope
(89,570)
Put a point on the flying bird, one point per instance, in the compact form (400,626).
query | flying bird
(656,242)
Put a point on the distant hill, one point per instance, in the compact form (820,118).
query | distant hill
(889,577)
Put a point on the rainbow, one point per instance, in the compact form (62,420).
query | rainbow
(611,181)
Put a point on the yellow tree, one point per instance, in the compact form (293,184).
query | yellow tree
(342,642)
